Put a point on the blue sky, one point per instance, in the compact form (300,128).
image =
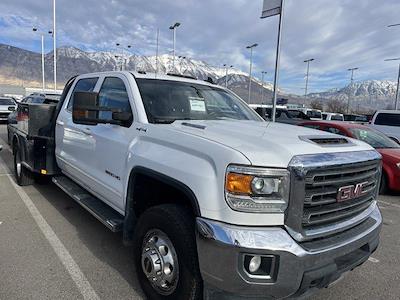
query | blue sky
(339,34)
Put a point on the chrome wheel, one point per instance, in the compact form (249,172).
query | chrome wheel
(160,262)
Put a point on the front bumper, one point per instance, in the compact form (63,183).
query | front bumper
(299,269)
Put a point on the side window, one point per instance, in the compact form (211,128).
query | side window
(113,95)
(83,85)
(324,116)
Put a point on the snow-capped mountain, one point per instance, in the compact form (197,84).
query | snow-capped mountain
(364,89)
(369,94)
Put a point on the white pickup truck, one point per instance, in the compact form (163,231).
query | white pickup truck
(217,202)
(388,122)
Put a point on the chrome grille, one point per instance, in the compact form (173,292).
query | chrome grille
(314,212)
(321,190)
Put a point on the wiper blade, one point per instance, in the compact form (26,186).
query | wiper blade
(168,121)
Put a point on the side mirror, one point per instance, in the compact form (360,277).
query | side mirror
(85,108)
(123,117)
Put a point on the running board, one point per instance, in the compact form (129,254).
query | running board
(101,211)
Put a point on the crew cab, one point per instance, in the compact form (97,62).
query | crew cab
(216,202)
(388,122)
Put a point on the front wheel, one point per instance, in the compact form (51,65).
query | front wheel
(165,254)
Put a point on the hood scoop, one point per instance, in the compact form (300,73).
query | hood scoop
(327,141)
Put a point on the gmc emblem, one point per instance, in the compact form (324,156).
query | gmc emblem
(351,191)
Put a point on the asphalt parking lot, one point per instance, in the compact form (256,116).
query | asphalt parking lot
(51,248)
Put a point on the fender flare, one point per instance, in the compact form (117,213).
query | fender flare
(130,215)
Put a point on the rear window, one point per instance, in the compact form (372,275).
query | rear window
(388,119)
(314,114)
(5,101)
(336,118)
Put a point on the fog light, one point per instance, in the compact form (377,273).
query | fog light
(262,267)
(254,264)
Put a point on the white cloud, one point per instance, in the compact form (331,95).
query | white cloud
(338,34)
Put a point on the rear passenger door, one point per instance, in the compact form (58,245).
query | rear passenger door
(112,142)
(74,143)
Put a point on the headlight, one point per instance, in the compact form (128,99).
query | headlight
(398,165)
(250,189)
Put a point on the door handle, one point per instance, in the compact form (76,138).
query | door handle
(87,131)
(61,123)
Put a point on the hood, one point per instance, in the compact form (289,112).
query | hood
(266,143)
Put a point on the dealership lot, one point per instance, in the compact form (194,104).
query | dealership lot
(51,248)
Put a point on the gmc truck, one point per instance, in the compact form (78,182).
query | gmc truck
(216,202)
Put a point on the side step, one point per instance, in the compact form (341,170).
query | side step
(101,211)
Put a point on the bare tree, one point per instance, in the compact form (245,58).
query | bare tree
(336,106)
(317,104)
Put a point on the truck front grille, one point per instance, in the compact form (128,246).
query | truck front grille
(321,205)
(331,193)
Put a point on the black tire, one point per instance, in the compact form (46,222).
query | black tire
(383,188)
(178,225)
(23,176)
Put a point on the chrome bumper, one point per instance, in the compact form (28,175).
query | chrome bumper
(300,268)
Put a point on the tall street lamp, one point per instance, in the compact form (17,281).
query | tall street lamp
(307,61)
(270,9)
(250,47)
(263,73)
(351,82)
(173,28)
(226,73)
(54,45)
(34,29)
(123,59)
(398,83)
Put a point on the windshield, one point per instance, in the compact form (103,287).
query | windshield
(5,101)
(166,101)
(374,138)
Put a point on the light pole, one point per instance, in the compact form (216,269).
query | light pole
(54,45)
(351,82)
(263,73)
(250,47)
(307,61)
(226,73)
(34,29)
(398,83)
(123,60)
(270,9)
(157,49)
(173,28)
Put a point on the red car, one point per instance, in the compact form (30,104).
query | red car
(389,149)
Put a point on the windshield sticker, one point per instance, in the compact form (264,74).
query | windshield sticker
(197,104)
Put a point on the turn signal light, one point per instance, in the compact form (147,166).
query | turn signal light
(238,183)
